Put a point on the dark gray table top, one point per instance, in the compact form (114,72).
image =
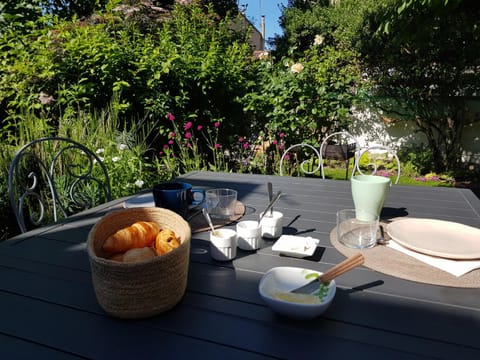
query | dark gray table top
(48,307)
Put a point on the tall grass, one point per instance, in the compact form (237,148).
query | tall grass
(124,150)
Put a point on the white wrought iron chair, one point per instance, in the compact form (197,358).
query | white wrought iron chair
(303,163)
(373,165)
(343,151)
(52,178)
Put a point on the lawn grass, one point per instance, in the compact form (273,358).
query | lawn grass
(337,173)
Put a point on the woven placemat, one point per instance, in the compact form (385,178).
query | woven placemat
(391,262)
(198,223)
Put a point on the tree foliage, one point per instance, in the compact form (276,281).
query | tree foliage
(421,58)
(189,63)
(302,20)
(425,64)
(67,9)
(223,7)
(16,14)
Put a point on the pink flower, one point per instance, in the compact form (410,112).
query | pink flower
(170,142)
(245,145)
(188,125)
(240,139)
(217,124)
(282,135)
(189,145)
(170,117)
(199,128)
(171,135)
(161,153)
(165,147)
(281,146)
(217,146)
(287,157)
(188,135)
(274,142)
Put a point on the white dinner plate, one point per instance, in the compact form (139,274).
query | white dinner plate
(296,246)
(440,238)
(142,200)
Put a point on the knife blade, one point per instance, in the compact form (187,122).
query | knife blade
(308,288)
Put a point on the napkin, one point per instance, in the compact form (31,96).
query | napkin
(454,267)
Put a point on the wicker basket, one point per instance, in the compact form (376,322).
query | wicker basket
(141,289)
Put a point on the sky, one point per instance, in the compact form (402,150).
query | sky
(269,8)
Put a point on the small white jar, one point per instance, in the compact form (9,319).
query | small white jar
(223,244)
(272,225)
(248,235)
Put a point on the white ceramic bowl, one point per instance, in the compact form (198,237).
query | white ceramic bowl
(284,280)
(248,235)
(223,244)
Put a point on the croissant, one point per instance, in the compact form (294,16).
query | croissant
(139,234)
(166,241)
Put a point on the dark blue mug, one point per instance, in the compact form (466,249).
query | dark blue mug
(177,196)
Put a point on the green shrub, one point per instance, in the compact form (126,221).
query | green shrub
(188,63)
(306,98)
(419,157)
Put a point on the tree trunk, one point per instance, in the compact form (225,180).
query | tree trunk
(444,140)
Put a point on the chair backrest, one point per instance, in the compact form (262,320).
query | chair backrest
(52,178)
(383,153)
(347,149)
(286,155)
(347,146)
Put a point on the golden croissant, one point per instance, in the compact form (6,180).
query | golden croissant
(138,235)
(166,241)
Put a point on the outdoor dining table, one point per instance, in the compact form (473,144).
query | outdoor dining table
(48,307)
